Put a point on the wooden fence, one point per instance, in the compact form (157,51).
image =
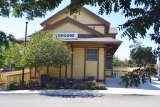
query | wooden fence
(9,77)
(119,71)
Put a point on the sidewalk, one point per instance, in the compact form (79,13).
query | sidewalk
(113,88)
(84,93)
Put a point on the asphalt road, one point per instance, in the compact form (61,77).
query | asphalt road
(50,101)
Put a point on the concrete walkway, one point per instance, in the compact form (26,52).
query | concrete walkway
(113,87)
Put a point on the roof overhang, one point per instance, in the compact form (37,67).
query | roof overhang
(103,40)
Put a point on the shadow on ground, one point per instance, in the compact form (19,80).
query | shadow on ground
(71,93)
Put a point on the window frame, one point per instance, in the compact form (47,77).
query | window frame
(91,54)
(110,63)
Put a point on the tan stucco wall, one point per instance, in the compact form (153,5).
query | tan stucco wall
(83,18)
(68,28)
(100,29)
(91,68)
(78,65)
(101,63)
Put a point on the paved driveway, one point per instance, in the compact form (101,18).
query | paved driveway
(114,87)
(115,83)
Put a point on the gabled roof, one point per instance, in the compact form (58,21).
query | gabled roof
(82,8)
(68,19)
(96,16)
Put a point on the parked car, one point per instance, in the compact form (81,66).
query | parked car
(4,70)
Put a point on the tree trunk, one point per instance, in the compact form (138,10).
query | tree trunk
(39,75)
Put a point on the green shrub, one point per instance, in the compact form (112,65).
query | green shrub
(32,85)
(35,85)
(76,86)
(29,85)
(100,86)
(15,86)
(134,78)
(92,85)
(52,85)
(89,85)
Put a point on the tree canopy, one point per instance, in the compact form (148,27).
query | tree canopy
(15,55)
(41,50)
(141,14)
(45,50)
(143,56)
(117,62)
(5,42)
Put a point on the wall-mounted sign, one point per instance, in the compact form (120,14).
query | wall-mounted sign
(66,35)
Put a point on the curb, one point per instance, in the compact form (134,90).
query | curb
(74,93)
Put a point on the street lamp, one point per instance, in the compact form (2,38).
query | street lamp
(26,32)
(25,40)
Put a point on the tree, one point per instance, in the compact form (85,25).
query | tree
(117,62)
(16,55)
(45,50)
(135,78)
(131,63)
(5,42)
(41,50)
(143,56)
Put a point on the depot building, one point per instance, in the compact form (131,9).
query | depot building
(92,40)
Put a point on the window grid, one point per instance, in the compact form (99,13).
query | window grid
(91,54)
(108,63)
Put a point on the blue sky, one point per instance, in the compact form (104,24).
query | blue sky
(16,26)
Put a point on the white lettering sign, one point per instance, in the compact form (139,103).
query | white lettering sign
(66,35)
